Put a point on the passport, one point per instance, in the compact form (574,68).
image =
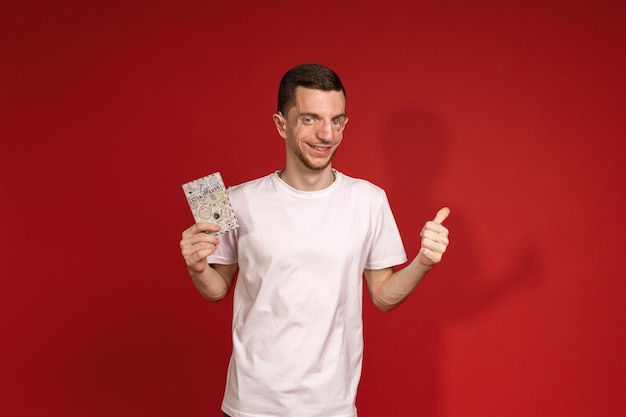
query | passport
(208,201)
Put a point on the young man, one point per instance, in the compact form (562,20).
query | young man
(307,235)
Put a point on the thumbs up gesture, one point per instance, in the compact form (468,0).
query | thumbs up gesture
(434,239)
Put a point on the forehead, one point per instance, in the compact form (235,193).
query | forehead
(308,100)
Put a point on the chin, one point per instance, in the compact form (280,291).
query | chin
(318,165)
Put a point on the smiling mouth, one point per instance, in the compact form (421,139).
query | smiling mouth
(320,148)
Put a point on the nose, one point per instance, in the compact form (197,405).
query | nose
(325,131)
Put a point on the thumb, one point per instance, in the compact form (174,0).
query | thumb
(442,214)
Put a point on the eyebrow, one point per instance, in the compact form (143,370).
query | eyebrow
(317,116)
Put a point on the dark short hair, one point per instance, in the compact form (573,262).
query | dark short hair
(313,76)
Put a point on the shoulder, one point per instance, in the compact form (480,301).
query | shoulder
(360,185)
(261,183)
(362,192)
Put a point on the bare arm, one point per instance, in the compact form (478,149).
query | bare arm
(389,288)
(212,281)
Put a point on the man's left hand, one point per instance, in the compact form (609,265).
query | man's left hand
(434,239)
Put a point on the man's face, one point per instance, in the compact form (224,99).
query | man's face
(313,127)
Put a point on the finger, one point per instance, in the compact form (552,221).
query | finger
(196,255)
(204,227)
(199,238)
(439,246)
(207,227)
(437,236)
(200,253)
(431,257)
(442,214)
(198,244)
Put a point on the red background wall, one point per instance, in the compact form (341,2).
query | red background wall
(511,115)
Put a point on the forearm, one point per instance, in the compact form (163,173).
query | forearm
(398,285)
(210,283)
(389,288)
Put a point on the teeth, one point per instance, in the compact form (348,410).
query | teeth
(319,148)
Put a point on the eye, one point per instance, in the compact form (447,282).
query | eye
(338,123)
(308,120)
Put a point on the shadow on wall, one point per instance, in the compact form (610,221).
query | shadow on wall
(415,146)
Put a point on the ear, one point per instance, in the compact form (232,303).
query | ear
(280,123)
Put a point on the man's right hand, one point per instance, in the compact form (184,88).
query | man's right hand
(197,243)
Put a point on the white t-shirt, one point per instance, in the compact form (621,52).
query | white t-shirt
(297,316)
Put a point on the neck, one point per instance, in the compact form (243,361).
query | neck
(312,181)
